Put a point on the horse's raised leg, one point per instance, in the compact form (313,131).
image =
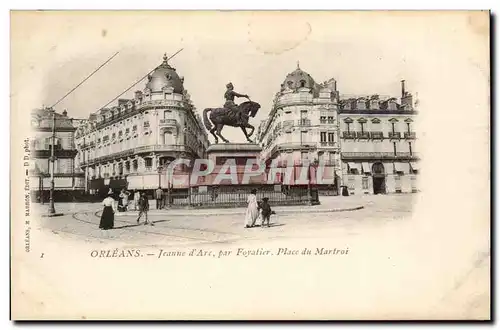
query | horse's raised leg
(213,133)
(219,129)
(247,125)
(246,135)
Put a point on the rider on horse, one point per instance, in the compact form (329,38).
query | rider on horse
(229,96)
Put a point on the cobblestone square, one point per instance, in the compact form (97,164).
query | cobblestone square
(180,227)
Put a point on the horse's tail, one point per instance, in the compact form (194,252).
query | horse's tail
(206,121)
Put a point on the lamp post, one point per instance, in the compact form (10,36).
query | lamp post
(160,168)
(52,209)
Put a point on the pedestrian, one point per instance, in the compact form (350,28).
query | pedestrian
(252,212)
(124,198)
(159,197)
(108,213)
(144,208)
(137,197)
(266,211)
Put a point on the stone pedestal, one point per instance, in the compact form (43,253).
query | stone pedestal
(219,153)
(228,154)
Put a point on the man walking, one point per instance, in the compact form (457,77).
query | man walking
(144,208)
(159,198)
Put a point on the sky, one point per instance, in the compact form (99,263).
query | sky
(366,53)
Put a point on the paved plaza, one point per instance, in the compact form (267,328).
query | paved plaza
(335,216)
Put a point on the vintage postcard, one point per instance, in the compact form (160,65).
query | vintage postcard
(240,165)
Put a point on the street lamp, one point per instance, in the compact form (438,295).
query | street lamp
(160,168)
(52,210)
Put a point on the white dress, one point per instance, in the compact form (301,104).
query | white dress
(252,210)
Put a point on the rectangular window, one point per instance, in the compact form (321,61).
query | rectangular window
(322,119)
(393,128)
(408,127)
(365,182)
(397,179)
(394,146)
(323,136)
(409,146)
(127,130)
(105,138)
(303,137)
(331,137)
(330,120)
(134,128)
(148,162)
(167,114)
(146,124)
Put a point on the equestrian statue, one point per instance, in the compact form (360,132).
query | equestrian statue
(231,115)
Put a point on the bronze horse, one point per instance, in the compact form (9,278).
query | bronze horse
(223,116)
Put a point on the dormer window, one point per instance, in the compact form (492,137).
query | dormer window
(391,104)
(361,104)
(302,84)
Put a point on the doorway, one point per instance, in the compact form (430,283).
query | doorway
(378,175)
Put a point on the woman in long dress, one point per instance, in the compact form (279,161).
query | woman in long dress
(108,213)
(252,210)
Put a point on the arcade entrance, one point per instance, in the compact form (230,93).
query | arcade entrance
(378,175)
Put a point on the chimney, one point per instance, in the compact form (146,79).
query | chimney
(138,95)
(403,92)
(65,113)
(122,102)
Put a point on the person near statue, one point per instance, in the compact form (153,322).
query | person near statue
(229,96)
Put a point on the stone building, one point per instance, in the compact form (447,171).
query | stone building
(366,143)
(67,179)
(130,144)
(302,126)
(378,143)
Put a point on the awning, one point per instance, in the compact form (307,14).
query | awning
(402,167)
(97,184)
(118,183)
(414,166)
(355,166)
(366,167)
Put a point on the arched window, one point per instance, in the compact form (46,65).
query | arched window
(168,138)
(378,168)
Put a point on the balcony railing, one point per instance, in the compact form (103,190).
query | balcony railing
(379,155)
(377,135)
(363,135)
(322,121)
(394,135)
(304,122)
(168,122)
(349,135)
(59,153)
(133,151)
(410,135)
(324,143)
